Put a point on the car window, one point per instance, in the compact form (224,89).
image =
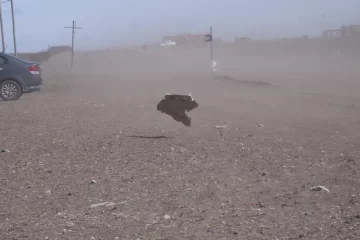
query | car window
(2,60)
(19,59)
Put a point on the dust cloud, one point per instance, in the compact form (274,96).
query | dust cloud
(90,157)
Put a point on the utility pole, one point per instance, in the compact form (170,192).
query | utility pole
(13,25)
(209,38)
(211,44)
(2,29)
(72,41)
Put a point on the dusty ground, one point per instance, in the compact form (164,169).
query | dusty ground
(93,135)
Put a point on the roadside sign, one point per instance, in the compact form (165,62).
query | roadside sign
(208,38)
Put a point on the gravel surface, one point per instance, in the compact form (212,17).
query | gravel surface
(89,157)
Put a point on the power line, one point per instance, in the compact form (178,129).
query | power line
(73,27)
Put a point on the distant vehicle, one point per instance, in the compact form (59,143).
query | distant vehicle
(168,44)
(18,76)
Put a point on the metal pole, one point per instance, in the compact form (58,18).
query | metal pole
(211,45)
(73,29)
(2,29)
(72,44)
(13,25)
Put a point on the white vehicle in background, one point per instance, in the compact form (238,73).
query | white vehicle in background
(168,44)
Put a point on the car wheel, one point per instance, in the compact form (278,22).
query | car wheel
(10,90)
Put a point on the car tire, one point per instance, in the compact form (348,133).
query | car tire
(10,90)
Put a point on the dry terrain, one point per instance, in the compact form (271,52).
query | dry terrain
(93,135)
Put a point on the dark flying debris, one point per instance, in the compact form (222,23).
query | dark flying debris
(176,106)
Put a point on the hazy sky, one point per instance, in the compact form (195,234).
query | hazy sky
(40,23)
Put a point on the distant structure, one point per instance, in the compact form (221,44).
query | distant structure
(344,31)
(59,49)
(242,39)
(332,33)
(185,39)
(44,56)
(350,31)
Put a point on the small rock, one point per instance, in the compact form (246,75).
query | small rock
(166,217)
(5,151)
(182,150)
(220,126)
(101,204)
(106,204)
(319,188)
(92,181)
(260,126)
(259,204)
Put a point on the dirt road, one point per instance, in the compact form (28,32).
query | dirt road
(94,136)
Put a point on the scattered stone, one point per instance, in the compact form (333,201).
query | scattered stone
(5,150)
(106,204)
(99,105)
(166,217)
(182,150)
(319,188)
(93,181)
(259,204)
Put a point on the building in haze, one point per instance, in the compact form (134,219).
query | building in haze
(344,31)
